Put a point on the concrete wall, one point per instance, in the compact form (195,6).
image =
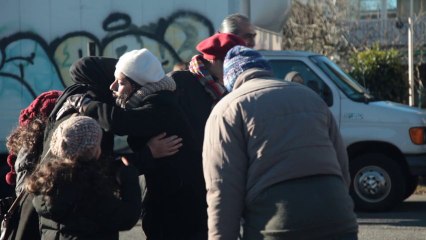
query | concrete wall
(39,40)
(268,40)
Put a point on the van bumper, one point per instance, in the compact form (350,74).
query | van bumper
(417,164)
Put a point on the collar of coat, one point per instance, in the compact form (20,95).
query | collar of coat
(165,84)
(250,74)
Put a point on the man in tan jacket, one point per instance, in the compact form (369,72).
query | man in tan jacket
(274,159)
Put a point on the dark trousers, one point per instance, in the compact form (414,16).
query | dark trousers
(310,208)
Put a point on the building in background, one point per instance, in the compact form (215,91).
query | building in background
(386,21)
(399,24)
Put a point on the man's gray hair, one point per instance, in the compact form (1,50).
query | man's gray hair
(232,23)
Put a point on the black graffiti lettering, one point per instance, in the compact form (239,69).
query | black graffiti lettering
(121,35)
(116,21)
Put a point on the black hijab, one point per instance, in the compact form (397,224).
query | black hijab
(96,72)
(92,75)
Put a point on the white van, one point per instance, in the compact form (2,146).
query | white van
(386,141)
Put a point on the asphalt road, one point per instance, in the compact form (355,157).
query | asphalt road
(405,222)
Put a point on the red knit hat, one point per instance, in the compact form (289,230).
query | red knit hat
(216,46)
(43,105)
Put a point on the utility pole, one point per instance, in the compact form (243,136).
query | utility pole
(410,57)
(91,49)
(245,8)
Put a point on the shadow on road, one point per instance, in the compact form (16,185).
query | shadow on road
(410,213)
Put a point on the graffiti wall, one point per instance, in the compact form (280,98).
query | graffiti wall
(39,40)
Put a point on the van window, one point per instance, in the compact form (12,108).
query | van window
(351,88)
(282,67)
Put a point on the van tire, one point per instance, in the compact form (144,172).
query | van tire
(410,186)
(378,182)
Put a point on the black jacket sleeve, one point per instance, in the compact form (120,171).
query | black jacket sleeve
(142,160)
(138,121)
(122,214)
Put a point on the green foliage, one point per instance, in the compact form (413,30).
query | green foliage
(381,72)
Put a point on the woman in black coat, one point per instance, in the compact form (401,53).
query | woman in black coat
(174,206)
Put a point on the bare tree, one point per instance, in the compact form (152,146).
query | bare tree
(334,28)
(317,26)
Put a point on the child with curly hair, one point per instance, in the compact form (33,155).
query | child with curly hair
(73,196)
(25,144)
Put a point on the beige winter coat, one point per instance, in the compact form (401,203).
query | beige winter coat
(264,132)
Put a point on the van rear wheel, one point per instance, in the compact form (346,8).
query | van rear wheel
(378,182)
(411,186)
